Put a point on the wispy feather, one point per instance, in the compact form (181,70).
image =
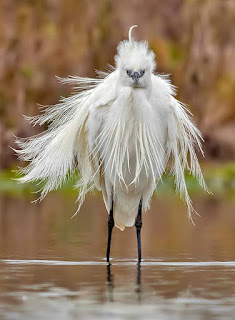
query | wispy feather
(118,132)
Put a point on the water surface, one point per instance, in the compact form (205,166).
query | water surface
(53,267)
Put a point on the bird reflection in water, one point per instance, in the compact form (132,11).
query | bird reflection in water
(138,282)
(110,283)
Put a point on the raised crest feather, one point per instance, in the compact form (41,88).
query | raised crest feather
(130,31)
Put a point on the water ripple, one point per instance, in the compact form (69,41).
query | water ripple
(121,263)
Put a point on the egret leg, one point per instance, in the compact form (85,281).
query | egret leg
(138,225)
(110,229)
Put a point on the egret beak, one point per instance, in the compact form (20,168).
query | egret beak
(135,77)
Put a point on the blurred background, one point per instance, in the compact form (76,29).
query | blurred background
(194,41)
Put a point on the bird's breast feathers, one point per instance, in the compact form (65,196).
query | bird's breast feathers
(127,138)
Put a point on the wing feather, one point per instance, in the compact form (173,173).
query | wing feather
(183,138)
(57,152)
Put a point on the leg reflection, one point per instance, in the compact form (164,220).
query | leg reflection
(138,282)
(109,283)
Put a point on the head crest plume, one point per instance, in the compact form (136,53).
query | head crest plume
(130,31)
(137,51)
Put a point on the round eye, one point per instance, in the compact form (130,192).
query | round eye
(127,72)
(143,71)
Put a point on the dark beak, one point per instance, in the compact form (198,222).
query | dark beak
(135,76)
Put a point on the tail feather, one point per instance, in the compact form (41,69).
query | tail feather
(126,208)
(122,219)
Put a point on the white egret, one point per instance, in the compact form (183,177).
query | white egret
(121,131)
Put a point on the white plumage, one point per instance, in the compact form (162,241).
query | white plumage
(121,131)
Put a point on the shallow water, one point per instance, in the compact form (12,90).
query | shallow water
(52,266)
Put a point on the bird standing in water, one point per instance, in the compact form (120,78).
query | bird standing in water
(118,133)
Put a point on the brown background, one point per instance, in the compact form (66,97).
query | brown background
(193,40)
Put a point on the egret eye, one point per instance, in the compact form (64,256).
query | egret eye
(128,72)
(143,72)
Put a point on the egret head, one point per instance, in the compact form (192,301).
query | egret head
(135,62)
